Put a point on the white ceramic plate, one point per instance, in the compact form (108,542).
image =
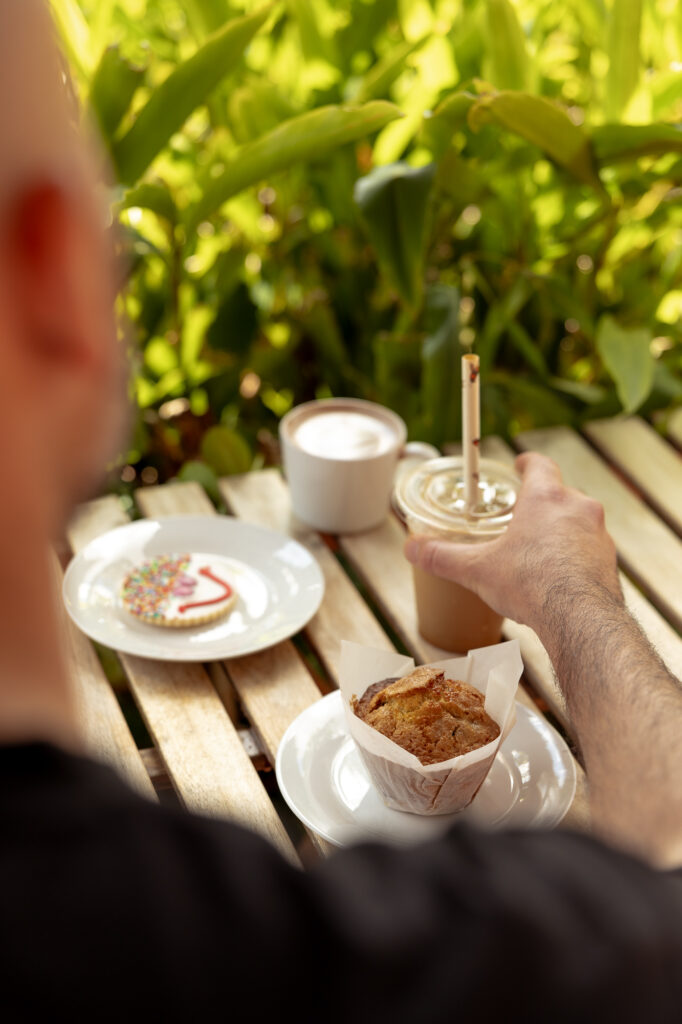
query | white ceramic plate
(324,781)
(279,586)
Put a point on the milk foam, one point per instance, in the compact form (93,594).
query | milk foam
(343,434)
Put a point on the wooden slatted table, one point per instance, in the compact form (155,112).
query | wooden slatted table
(213,730)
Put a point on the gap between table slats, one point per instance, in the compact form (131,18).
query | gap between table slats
(203,754)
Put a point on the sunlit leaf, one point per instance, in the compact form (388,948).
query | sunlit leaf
(509,58)
(544,124)
(613,143)
(160,357)
(624,55)
(309,136)
(185,88)
(440,125)
(626,354)
(113,86)
(590,394)
(394,201)
(416,17)
(207,15)
(225,451)
(156,198)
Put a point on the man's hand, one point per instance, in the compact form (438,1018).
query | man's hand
(555,550)
(555,570)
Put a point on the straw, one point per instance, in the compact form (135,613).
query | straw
(471,427)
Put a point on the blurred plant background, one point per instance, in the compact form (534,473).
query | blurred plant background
(339,197)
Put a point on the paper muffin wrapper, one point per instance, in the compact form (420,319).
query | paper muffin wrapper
(403,782)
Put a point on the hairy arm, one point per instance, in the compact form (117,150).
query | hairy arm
(555,570)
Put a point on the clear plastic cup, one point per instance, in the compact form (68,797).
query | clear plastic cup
(431,499)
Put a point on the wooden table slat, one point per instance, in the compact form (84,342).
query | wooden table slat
(202,751)
(648,549)
(104,726)
(652,464)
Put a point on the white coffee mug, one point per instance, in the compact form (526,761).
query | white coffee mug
(340,457)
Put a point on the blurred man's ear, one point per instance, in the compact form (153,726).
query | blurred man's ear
(61,345)
(57,278)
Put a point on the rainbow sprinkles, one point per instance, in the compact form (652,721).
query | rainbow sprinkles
(178,590)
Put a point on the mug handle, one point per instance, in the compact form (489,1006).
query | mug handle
(419,450)
(411,453)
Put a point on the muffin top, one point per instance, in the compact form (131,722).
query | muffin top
(433,717)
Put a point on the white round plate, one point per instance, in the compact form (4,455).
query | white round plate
(279,586)
(325,783)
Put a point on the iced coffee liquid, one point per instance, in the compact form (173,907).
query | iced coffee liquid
(452,617)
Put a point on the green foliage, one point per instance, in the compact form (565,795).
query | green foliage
(309,136)
(342,196)
(394,203)
(627,357)
(188,86)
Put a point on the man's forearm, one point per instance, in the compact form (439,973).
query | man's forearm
(627,712)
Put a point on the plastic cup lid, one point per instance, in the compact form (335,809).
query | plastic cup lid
(432,496)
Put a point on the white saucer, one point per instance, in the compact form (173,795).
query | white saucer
(325,783)
(278,582)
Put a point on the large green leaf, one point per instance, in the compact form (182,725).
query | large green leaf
(394,201)
(615,142)
(624,55)
(113,86)
(186,88)
(627,357)
(508,55)
(307,137)
(544,124)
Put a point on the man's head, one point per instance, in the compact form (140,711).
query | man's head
(60,364)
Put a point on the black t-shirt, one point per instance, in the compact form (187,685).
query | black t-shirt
(113,908)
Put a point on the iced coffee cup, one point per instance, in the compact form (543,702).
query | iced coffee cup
(432,501)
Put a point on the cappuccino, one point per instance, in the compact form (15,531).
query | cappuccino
(343,434)
(339,457)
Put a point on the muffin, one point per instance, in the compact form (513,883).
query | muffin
(426,738)
(429,715)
